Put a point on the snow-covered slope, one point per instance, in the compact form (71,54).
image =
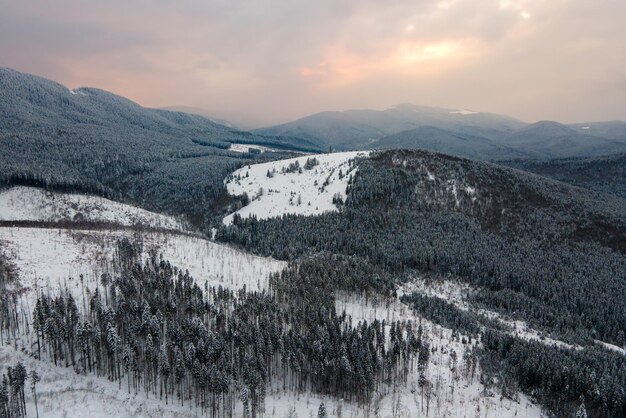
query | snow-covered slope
(55,258)
(32,204)
(453,390)
(458,294)
(274,189)
(63,393)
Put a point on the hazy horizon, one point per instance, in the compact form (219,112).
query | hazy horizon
(258,64)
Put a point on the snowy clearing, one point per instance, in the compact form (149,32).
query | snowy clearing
(612,347)
(245,148)
(290,187)
(55,258)
(32,204)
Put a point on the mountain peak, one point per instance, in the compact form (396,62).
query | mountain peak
(548,128)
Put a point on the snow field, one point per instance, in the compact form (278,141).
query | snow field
(309,192)
(33,204)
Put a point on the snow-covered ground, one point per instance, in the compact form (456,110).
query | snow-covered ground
(55,258)
(303,192)
(62,393)
(612,347)
(453,392)
(457,294)
(33,204)
(244,148)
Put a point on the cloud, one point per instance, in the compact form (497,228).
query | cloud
(276,60)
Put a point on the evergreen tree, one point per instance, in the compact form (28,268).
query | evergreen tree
(34,379)
(321,412)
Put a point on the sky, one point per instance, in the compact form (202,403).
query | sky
(259,63)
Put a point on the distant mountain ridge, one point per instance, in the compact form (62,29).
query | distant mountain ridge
(360,128)
(460,132)
(615,129)
(448,142)
(547,139)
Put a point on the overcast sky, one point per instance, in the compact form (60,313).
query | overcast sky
(270,61)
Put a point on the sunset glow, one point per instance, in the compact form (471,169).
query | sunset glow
(273,66)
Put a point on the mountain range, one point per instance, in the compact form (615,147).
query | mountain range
(464,133)
(253,270)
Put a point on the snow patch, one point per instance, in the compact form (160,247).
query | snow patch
(245,148)
(464,112)
(301,191)
(612,347)
(78,91)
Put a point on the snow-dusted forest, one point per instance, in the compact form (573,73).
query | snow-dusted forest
(157,263)
(64,280)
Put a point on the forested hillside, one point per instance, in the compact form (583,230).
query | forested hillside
(449,142)
(93,141)
(603,174)
(536,250)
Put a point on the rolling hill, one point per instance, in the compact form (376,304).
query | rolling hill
(615,129)
(37,106)
(603,174)
(452,143)
(547,139)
